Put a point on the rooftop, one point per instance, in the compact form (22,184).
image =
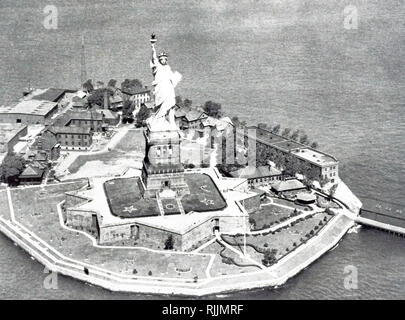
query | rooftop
(84,115)
(135,90)
(51,94)
(251,172)
(194,114)
(7,132)
(32,171)
(316,157)
(287,185)
(35,107)
(70,130)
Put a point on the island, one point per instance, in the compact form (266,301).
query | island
(135,189)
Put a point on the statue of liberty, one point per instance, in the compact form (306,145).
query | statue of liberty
(165,80)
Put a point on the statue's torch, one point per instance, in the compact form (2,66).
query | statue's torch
(153,39)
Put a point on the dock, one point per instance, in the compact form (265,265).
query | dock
(383,216)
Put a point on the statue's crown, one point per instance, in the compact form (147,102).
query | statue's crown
(162,54)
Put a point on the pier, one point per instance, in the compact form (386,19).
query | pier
(386,216)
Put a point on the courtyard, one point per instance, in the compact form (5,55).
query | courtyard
(125,198)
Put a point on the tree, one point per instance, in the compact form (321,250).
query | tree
(286,132)
(11,168)
(295,135)
(314,145)
(213,109)
(304,139)
(187,103)
(179,101)
(269,257)
(142,115)
(276,129)
(128,84)
(88,86)
(127,111)
(112,83)
(169,243)
(97,97)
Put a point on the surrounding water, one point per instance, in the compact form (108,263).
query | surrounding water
(290,62)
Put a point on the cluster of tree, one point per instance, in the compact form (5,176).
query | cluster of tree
(286,160)
(269,257)
(129,84)
(96,97)
(128,108)
(142,115)
(297,135)
(11,168)
(186,103)
(237,123)
(213,109)
(88,86)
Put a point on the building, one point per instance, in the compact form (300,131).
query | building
(109,118)
(29,112)
(138,95)
(326,164)
(46,147)
(258,176)
(79,103)
(162,168)
(10,134)
(92,120)
(193,119)
(50,94)
(116,102)
(32,174)
(73,138)
(318,165)
(287,186)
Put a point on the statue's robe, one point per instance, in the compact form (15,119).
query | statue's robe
(165,82)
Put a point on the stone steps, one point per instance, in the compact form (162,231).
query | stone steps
(160,205)
(180,205)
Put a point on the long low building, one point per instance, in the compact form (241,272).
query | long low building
(73,138)
(276,148)
(9,136)
(29,112)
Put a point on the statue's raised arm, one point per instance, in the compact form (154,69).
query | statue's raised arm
(165,80)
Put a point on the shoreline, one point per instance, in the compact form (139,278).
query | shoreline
(269,277)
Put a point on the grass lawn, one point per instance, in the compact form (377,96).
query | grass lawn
(281,240)
(219,267)
(126,201)
(204,194)
(130,148)
(35,208)
(268,215)
(170,206)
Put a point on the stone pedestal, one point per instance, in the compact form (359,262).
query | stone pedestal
(162,169)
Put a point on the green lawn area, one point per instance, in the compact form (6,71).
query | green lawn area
(126,201)
(268,215)
(204,194)
(130,147)
(283,239)
(220,267)
(35,208)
